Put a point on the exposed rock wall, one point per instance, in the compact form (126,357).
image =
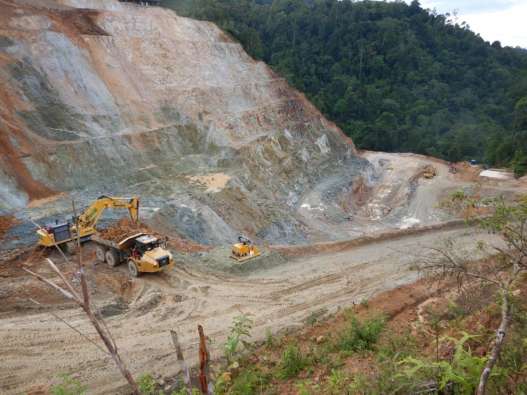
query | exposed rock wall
(101,96)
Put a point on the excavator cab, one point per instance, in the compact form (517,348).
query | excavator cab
(244,250)
(59,230)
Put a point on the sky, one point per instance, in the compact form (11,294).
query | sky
(495,20)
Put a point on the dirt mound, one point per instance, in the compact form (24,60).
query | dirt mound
(123,229)
(126,228)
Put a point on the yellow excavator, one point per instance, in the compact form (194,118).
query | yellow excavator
(244,250)
(65,233)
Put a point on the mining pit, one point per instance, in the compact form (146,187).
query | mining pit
(104,97)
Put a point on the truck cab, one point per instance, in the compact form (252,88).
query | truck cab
(149,254)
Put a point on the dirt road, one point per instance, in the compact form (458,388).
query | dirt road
(35,348)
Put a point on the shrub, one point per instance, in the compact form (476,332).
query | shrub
(69,386)
(361,336)
(336,381)
(147,385)
(248,382)
(461,373)
(292,362)
(269,339)
(397,346)
(240,329)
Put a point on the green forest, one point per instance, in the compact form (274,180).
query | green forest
(393,76)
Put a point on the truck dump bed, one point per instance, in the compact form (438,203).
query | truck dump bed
(119,242)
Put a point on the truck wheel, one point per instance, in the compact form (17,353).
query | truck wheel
(100,253)
(132,268)
(112,259)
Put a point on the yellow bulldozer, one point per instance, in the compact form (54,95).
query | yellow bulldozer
(429,171)
(65,233)
(244,250)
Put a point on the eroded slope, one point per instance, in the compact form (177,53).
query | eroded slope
(124,99)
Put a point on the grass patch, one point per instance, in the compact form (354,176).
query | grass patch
(292,362)
(361,336)
(270,341)
(248,382)
(69,386)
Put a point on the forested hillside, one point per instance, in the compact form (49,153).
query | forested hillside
(395,77)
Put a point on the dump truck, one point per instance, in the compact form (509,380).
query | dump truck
(244,250)
(143,253)
(65,233)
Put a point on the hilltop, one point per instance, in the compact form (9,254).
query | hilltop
(394,76)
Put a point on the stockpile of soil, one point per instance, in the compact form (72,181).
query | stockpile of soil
(122,229)
(126,228)
(6,223)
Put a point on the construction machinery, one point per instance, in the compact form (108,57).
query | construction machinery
(244,250)
(429,171)
(65,233)
(143,252)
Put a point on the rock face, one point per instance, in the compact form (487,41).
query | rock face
(106,97)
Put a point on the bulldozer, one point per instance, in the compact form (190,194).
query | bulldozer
(65,233)
(244,250)
(429,172)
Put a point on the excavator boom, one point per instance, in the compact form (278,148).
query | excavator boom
(84,226)
(90,216)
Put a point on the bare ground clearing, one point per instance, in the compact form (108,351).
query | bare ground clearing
(36,347)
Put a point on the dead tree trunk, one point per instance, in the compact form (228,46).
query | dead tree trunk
(181,359)
(203,362)
(498,344)
(83,300)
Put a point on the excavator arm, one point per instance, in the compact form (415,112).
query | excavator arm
(90,216)
(84,225)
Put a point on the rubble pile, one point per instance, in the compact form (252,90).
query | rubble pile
(123,229)
(126,228)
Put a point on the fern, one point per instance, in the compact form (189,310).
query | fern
(462,372)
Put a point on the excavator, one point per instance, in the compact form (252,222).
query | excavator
(244,250)
(64,234)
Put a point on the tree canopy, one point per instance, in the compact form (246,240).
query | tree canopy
(393,76)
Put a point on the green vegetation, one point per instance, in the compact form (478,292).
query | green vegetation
(361,336)
(248,382)
(68,386)
(461,373)
(393,76)
(147,385)
(270,341)
(392,359)
(292,362)
(240,330)
(437,347)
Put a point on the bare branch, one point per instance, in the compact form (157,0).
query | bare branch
(84,302)
(103,321)
(498,343)
(64,293)
(71,327)
(61,275)
(181,358)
